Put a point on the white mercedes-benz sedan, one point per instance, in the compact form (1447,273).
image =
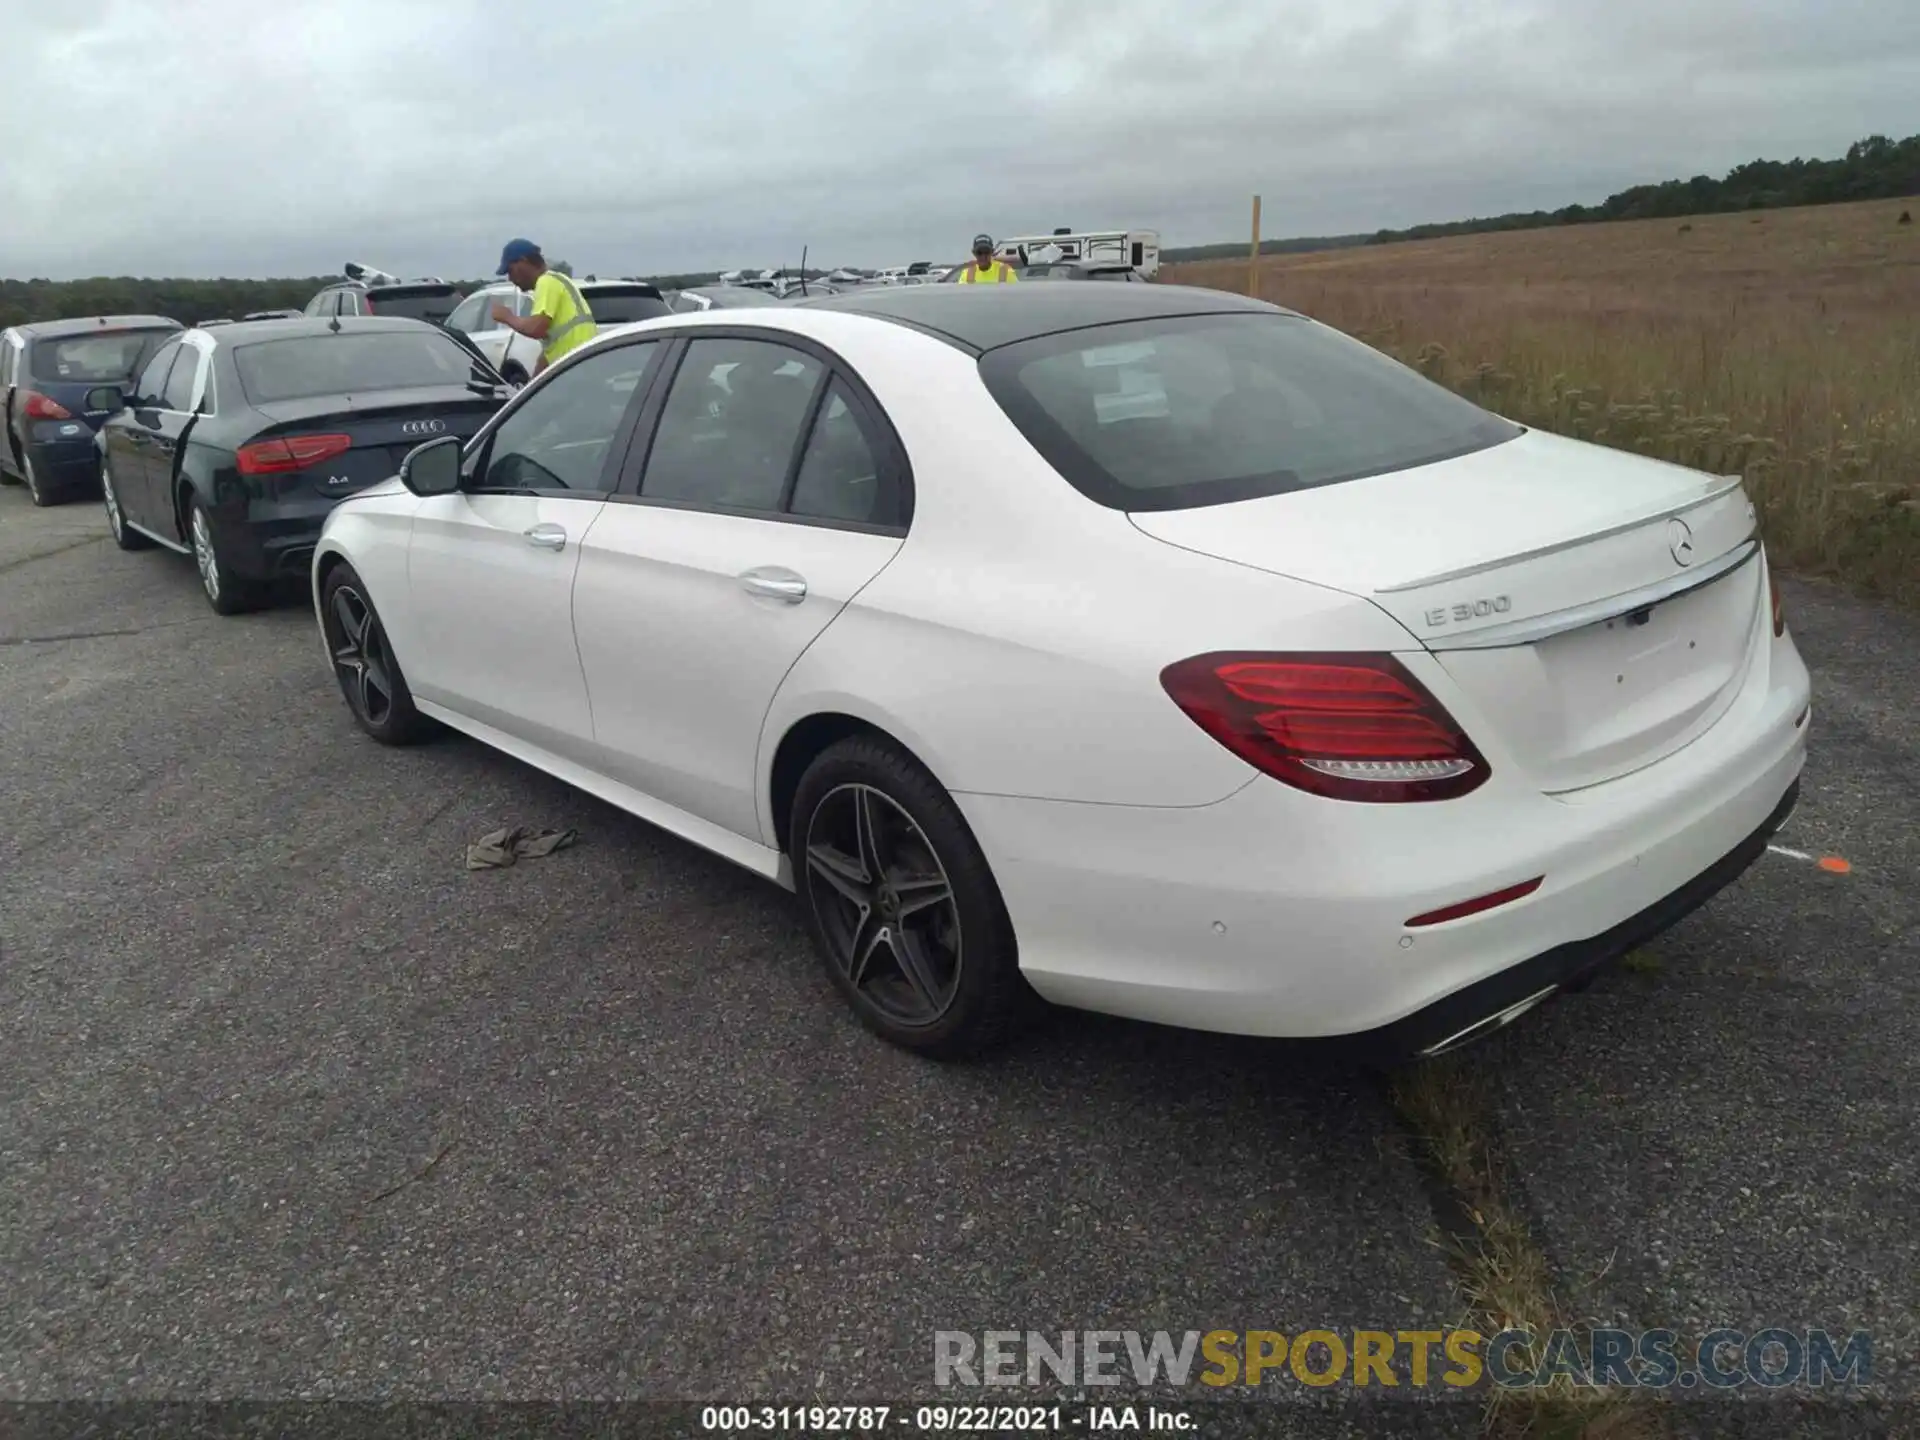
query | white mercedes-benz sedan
(1135,648)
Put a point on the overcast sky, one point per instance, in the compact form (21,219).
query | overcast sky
(232,137)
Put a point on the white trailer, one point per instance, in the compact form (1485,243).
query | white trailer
(1138,248)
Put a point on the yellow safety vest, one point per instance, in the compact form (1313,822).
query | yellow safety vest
(573,326)
(997,272)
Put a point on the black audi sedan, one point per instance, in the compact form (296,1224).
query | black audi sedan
(233,444)
(47,370)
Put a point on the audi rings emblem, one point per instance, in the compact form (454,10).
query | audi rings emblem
(423,427)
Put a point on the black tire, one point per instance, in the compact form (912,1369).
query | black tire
(349,621)
(226,592)
(39,495)
(969,996)
(124,535)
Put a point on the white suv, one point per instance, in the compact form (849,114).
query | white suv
(613,302)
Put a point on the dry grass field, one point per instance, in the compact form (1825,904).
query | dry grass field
(1782,344)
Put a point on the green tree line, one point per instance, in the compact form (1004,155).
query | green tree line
(1876,168)
(188,301)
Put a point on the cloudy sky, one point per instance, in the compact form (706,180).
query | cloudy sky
(211,137)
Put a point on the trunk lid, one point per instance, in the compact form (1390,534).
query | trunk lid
(1599,610)
(384,426)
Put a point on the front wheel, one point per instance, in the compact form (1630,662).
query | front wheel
(370,679)
(901,904)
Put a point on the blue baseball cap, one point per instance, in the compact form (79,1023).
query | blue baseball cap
(517,250)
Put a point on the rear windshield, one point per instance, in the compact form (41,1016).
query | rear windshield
(99,358)
(303,366)
(433,304)
(623,307)
(1173,413)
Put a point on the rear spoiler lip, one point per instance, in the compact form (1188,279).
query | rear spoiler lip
(1716,489)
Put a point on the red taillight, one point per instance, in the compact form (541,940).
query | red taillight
(292,452)
(1479,903)
(1779,607)
(1350,727)
(39,407)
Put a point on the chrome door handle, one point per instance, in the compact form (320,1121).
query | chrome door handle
(547,537)
(772,583)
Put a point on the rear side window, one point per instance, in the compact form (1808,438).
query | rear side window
(731,424)
(435,305)
(348,363)
(1173,413)
(96,359)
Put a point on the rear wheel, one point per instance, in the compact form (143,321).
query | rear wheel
(901,903)
(370,679)
(124,535)
(40,495)
(227,592)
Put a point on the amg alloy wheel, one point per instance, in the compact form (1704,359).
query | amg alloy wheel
(902,906)
(885,903)
(363,662)
(124,536)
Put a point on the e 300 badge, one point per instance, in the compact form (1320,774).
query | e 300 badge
(1470,610)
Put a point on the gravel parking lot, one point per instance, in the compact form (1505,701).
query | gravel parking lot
(296,1106)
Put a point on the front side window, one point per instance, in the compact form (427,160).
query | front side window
(1185,411)
(178,394)
(559,436)
(473,314)
(731,424)
(153,379)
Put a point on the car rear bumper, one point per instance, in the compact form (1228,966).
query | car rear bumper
(62,463)
(271,539)
(1274,913)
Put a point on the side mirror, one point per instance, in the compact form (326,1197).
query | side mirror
(108,397)
(433,468)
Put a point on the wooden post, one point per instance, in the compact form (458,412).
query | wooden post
(1253,254)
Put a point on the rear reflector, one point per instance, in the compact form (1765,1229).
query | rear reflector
(1350,727)
(290,453)
(38,407)
(1779,607)
(1476,905)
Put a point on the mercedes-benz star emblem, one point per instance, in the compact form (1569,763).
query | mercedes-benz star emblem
(1680,541)
(423,427)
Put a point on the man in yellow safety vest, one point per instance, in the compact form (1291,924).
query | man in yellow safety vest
(560,321)
(983,269)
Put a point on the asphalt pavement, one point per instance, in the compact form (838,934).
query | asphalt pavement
(293,1105)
